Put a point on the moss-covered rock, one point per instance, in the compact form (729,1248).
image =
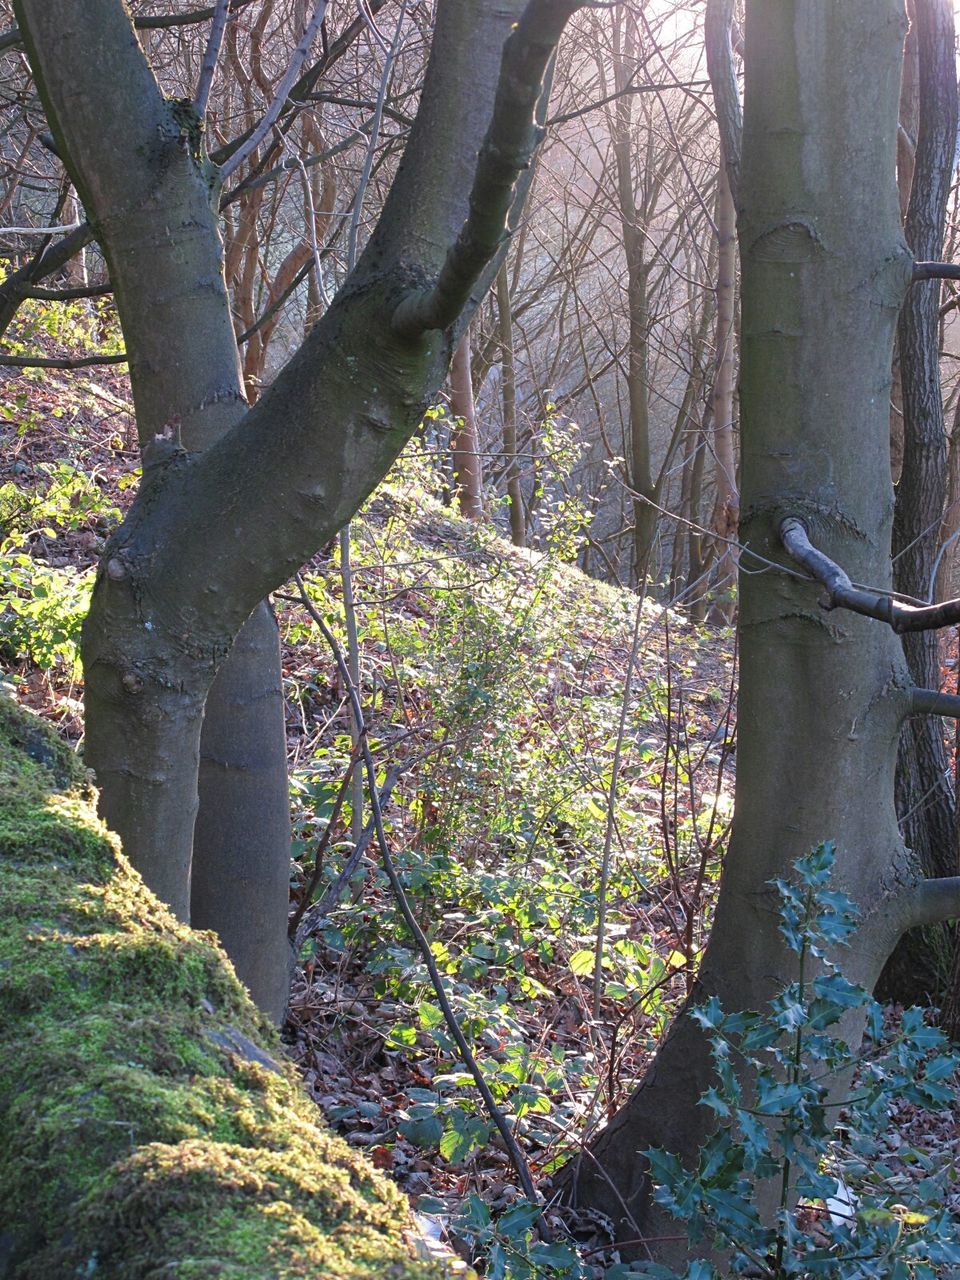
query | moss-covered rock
(150,1127)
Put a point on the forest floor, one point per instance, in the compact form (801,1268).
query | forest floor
(547,743)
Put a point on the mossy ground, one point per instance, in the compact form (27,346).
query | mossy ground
(150,1128)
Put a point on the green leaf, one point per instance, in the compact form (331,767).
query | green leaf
(401,1037)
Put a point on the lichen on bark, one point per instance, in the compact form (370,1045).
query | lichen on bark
(151,1127)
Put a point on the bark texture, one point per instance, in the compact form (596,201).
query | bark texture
(919,969)
(824,270)
(151,196)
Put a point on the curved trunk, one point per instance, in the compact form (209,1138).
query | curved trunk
(824,269)
(186,385)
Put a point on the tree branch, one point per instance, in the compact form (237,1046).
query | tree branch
(290,77)
(935,271)
(68,295)
(717,33)
(62,229)
(210,58)
(48,259)
(299,95)
(506,152)
(42,362)
(930,702)
(143,22)
(844,595)
(931,902)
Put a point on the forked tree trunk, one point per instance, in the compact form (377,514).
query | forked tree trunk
(822,696)
(202,543)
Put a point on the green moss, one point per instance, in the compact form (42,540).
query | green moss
(151,1127)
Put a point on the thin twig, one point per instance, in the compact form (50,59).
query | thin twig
(272,113)
(423,944)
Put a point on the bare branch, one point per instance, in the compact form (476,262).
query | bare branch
(143,22)
(41,231)
(844,595)
(302,91)
(626,91)
(277,303)
(507,150)
(211,57)
(931,702)
(935,271)
(931,902)
(68,295)
(718,27)
(284,88)
(46,260)
(42,362)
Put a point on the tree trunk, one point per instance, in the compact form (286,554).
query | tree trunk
(698,554)
(240,886)
(906,157)
(726,510)
(947,585)
(186,384)
(824,269)
(637,443)
(508,386)
(919,969)
(202,543)
(467,472)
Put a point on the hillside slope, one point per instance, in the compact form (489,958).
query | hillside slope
(528,796)
(149,1126)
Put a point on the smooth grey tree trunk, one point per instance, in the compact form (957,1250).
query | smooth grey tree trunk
(822,696)
(186,380)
